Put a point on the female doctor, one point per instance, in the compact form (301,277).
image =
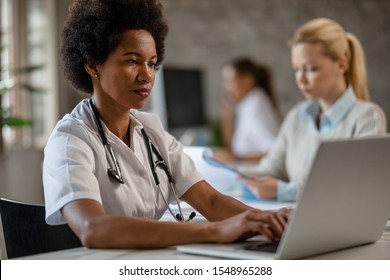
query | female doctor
(110,171)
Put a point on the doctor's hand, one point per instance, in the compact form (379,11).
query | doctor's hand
(223,155)
(264,187)
(248,224)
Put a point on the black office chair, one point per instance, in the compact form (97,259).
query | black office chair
(26,232)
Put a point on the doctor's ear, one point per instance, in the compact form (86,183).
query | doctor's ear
(91,70)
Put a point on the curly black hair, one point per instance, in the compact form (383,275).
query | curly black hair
(94,29)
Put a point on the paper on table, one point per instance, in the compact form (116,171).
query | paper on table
(208,156)
(223,179)
(186,210)
(269,205)
(262,204)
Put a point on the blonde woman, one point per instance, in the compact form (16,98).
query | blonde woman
(330,73)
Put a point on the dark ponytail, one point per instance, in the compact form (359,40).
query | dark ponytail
(261,73)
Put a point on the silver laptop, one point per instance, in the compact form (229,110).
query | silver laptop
(346,203)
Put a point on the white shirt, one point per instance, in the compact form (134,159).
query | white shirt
(257,124)
(75,167)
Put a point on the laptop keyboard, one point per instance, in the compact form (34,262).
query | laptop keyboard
(263,247)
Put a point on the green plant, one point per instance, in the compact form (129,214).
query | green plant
(7,86)
(216,134)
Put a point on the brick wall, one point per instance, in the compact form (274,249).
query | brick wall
(206,33)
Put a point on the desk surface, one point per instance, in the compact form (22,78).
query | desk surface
(379,250)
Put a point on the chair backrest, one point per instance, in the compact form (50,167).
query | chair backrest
(26,232)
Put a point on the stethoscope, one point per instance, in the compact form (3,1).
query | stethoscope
(114,170)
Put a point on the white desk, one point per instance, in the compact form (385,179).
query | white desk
(379,250)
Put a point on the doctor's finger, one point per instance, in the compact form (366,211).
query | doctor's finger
(267,232)
(275,221)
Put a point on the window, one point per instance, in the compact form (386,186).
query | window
(28,39)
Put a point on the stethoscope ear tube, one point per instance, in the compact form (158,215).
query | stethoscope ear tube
(148,145)
(96,118)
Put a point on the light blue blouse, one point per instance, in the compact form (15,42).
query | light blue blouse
(287,191)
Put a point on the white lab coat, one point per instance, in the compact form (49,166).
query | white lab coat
(75,167)
(257,124)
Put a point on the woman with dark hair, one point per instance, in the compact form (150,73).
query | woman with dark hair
(250,117)
(111,171)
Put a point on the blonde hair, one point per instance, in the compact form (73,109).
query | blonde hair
(336,44)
